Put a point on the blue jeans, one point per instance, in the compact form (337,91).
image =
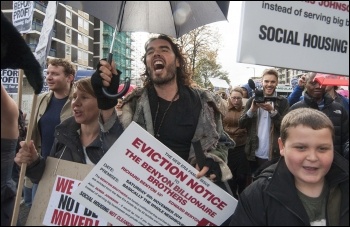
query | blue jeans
(34,189)
(29,194)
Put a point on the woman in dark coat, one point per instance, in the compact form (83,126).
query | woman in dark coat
(78,138)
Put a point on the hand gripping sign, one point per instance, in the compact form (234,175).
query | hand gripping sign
(139,181)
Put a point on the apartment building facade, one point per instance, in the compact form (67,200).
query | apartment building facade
(77,37)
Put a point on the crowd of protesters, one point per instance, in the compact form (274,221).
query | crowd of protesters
(289,162)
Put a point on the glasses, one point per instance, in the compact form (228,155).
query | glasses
(237,98)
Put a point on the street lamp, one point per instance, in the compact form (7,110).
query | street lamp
(253,69)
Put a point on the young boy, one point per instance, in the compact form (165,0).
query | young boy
(309,185)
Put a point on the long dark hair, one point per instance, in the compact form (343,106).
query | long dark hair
(183,73)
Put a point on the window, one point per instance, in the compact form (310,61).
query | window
(33,40)
(86,56)
(86,41)
(79,54)
(68,32)
(68,50)
(80,39)
(80,22)
(69,15)
(86,25)
(36,20)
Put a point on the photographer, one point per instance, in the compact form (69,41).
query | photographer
(262,118)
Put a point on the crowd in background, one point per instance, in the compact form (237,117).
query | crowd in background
(269,143)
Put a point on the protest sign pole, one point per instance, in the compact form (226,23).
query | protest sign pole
(23,24)
(23,166)
(20,89)
(41,53)
(20,84)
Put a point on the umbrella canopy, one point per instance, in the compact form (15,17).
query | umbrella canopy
(331,80)
(344,93)
(173,18)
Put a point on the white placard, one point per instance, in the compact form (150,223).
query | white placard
(44,44)
(63,210)
(219,83)
(22,15)
(140,181)
(305,35)
(9,79)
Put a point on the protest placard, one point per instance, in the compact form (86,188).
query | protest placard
(62,210)
(9,79)
(44,45)
(140,181)
(22,16)
(306,35)
(53,204)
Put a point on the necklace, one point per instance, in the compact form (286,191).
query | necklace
(165,112)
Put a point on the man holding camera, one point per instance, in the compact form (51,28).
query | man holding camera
(262,118)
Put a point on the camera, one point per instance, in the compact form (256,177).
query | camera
(259,94)
(260,98)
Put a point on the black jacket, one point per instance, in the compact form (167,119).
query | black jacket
(67,146)
(273,199)
(336,113)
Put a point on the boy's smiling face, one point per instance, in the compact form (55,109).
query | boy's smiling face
(308,154)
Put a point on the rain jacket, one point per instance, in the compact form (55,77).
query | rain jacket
(296,95)
(230,124)
(272,200)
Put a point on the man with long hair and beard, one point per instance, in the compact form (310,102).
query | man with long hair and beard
(169,107)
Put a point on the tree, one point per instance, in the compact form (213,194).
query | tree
(201,46)
(208,68)
(198,42)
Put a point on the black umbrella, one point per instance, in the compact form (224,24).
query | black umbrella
(173,18)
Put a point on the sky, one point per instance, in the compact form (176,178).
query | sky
(239,73)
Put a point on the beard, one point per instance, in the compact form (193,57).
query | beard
(161,80)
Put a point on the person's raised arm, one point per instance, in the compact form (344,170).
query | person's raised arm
(294,97)
(103,77)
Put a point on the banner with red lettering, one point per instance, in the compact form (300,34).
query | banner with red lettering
(140,181)
(63,210)
(53,204)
